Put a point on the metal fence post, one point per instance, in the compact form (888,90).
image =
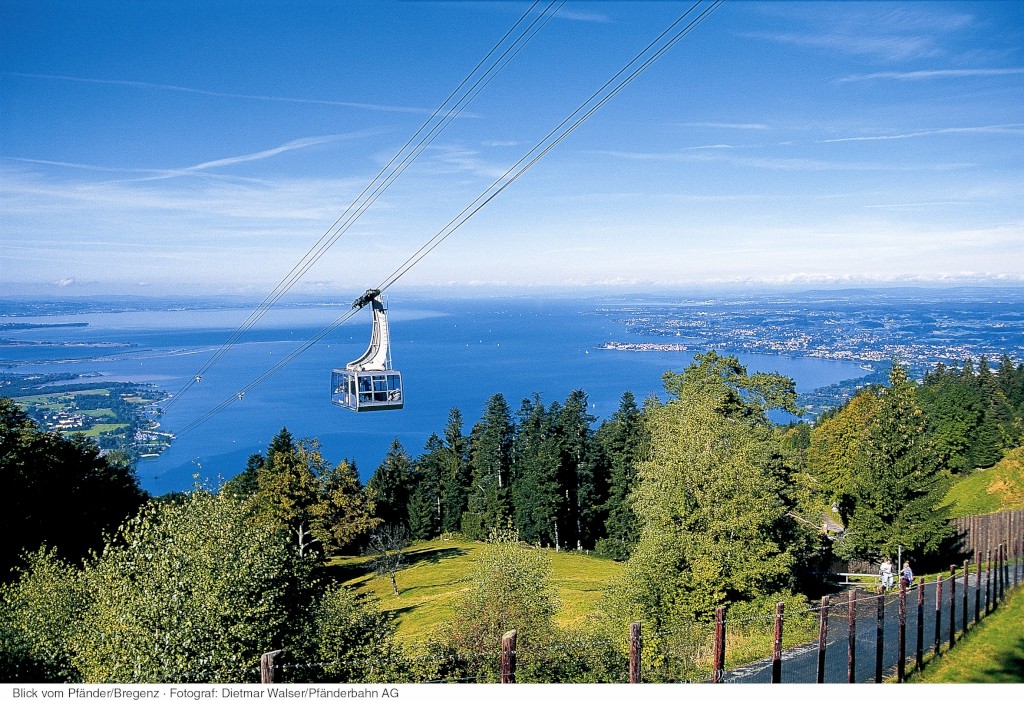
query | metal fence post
(967,572)
(952,605)
(977,588)
(919,661)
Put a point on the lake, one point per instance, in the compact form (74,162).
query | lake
(451,354)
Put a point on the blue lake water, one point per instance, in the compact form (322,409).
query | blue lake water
(451,354)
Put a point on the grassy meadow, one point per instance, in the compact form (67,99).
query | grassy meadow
(999,488)
(438,572)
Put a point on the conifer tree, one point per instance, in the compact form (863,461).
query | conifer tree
(456,476)
(536,497)
(424,508)
(622,440)
(391,485)
(584,487)
(896,498)
(490,461)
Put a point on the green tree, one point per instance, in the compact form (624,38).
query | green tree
(622,440)
(536,497)
(954,412)
(57,491)
(896,498)
(835,456)
(714,524)
(424,511)
(584,485)
(391,486)
(39,612)
(195,581)
(323,506)
(487,505)
(456,474)
(191,590)
(510,588)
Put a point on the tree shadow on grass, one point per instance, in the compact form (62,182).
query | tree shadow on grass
(1007,668)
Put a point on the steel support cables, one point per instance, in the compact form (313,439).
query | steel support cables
(514,40)
(636,66)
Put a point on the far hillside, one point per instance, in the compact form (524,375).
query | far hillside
(999,488)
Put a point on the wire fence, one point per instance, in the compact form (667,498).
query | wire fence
(863,635)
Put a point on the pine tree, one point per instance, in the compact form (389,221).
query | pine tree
(896,502)
(490,461)
(622,440)
(536,498)
(456,476)
(391,486)
(424,508)
(584,487)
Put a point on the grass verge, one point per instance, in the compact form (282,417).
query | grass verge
(992,652)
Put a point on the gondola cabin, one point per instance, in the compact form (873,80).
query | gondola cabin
(369,383)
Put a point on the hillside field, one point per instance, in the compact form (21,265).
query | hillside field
(999,488)
(439,570)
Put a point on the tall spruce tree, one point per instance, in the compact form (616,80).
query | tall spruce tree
(424,508)
(622,440)
(536,497)
(491,460)
(584,487)
(896,499)
(391,485)
(456,474)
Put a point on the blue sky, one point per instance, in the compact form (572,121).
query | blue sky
(191,147)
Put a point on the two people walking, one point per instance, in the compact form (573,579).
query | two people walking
(886,572)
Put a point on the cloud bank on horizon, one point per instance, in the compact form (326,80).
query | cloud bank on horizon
(189,147)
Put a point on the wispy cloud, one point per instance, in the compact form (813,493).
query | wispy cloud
(993,129)
(216,93)
(198,168)
(726,125)
(933,74)
(887,47)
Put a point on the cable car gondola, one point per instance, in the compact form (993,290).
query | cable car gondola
(368,383)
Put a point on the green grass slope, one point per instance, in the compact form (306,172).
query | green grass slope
(993,652)
(438,573)
(999,488)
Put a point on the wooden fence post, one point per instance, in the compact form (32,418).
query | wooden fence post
(1003,572)
(967,572)
(508,657)
(952,605)
(977,588)
(938,613)
(988,580)
(268,667)
(919,661)
(635,648)
(901,664)
(822,638)
(851,655)
(719,662)
(777,644)
(879,633)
